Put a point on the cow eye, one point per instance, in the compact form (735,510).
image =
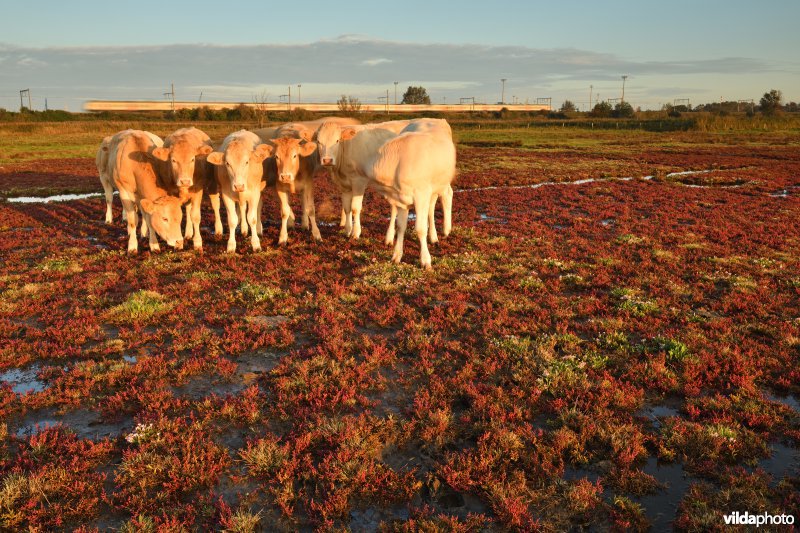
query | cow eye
(294,156)
(165,219)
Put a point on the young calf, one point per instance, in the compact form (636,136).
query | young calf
(295,163)
(189,175)
(239,172)
(135,172)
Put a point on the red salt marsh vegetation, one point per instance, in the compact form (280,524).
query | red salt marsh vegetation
(614,354)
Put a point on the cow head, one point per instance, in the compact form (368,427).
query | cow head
(288,152)
(239,160)
(329,138)
(165,218)
(181,158)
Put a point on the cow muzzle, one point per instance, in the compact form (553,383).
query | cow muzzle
(178,245)
(327,161)
(185,182)
(238,187)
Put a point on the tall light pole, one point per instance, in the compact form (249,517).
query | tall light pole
(622,100)
(590,96)
(503,94)
(298,93)
(395,93)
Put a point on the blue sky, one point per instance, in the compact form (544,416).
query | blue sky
(702,50)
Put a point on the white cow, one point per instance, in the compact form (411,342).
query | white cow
(342,150)
(413,169)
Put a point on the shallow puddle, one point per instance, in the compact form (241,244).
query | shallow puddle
(662,506)
(54,198)
(23,381)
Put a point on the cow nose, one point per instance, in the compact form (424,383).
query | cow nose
(327,161)
(237,187)
(179,245)
(286,178)
(185,182)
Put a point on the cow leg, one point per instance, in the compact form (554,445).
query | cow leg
(197,201)
(447,210)
(309,211)
(343,218)
(109,192)
(143,230)
(355,208)
(243,214)
(432,220)
(189,231)
(129,206)
(153,240)
(390,230)
(217,219)
(259,225)
(402,223)
(347,201)
(422,201)
(233,221)
(283,238)
(252,219)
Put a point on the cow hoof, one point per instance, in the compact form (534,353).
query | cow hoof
(256,249)
(427,267)
(132,251)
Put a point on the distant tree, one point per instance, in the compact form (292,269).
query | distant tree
(349,105)
(622,110)
(416,95)
(771,102)
(791,107)
(260,107)
(568,107)
(601,110)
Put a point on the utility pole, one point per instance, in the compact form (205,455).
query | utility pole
(298,93)
(290,98)
(21,93)
(395,93)
(171,94)
(622,100)
(590,97)
(387,101)
(503,94)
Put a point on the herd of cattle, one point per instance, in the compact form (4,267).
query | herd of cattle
(410,162)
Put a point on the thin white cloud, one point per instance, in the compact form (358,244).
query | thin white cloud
(375,62)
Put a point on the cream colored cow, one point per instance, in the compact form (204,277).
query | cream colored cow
(343,149)
(413,169)
(239,172)
(134,171)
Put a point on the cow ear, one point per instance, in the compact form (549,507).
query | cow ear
(204,150)
(215,158)
(263,151)
(160,153)
(307,149)
(348,133)
(147,206)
